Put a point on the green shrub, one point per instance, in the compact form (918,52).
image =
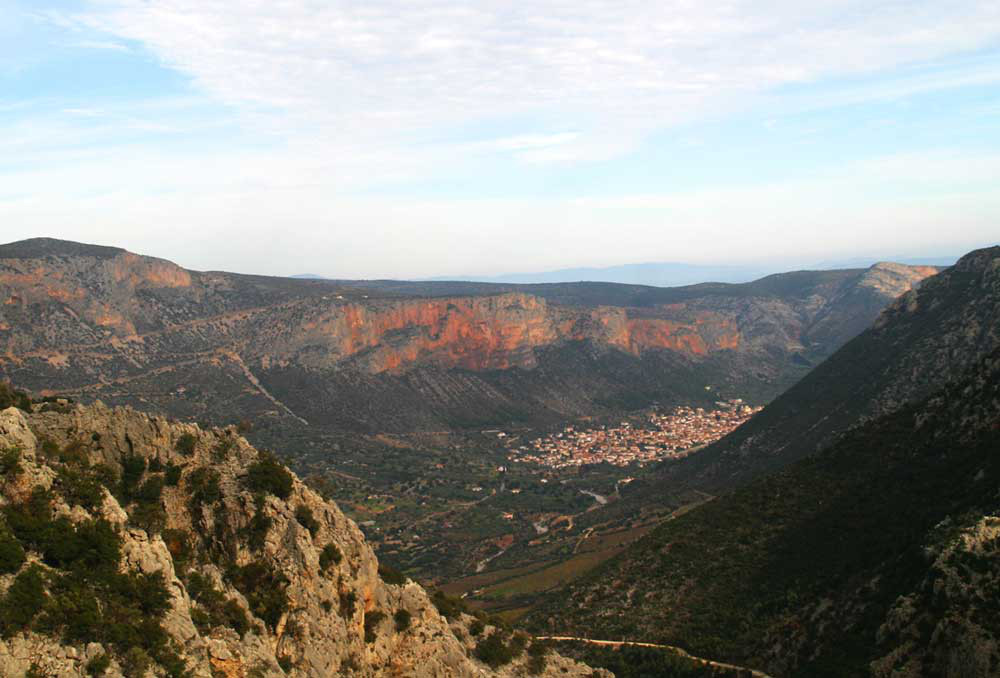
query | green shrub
(222,449)
(538,648)
(536,665)
(268,475)
(372,620)
(476,627)
(172,474)
(82,487)
(235,617)
(448,606)
(150,517)
(50,450)
(136,663)
(264,590)
(330,555)
(151,490)
(391,575)
(30,519)
(185,444)
(493,651)
(203,486)
(11,397)
(97,665)
(75,453)
(23,600)
(91,545)
(285,662)
(517,644)
(257,530)
(215,609)
(133,468)
(10,462)
(348,599)
(304,515)
(155,465)
(402,619)
(11,552)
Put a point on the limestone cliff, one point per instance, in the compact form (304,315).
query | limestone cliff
(260,576)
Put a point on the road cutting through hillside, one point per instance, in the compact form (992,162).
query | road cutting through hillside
(671,648)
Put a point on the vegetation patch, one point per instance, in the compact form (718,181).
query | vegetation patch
(264,589)
(372,620)
(493,650)
(391,575)
(449,607)
(268,475)
(403,619)
(12,397)
(10,463)
(203,486)
(185,444)
(348,601)
(80,596)
(214,608)
(330,555)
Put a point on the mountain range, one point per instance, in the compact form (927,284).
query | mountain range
(368,356)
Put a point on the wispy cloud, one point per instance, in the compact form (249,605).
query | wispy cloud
(103,45)
(614,71)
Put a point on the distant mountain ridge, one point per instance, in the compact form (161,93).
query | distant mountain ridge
(676,274)
(103,322)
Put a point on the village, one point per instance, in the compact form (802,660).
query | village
(668,436)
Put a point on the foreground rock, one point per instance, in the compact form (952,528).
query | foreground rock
(232,565)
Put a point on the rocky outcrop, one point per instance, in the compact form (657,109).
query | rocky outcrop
(945,627)
(339,617)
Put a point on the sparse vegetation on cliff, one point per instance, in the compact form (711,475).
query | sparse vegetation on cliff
(109,567)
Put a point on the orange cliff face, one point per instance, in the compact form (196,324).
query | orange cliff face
(705,333)
(475,333)
(480,333)
(40,281)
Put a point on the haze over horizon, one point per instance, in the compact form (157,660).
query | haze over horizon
(417,140)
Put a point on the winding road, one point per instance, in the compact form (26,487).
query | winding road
(672,648)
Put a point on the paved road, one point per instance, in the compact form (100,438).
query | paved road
(671,648)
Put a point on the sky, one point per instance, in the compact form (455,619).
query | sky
(412,138)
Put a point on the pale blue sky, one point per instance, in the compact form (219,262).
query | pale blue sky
(409,139)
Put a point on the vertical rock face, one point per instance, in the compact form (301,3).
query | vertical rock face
(474,333)
(339,617)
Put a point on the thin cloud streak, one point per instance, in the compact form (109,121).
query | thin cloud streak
(615,71)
